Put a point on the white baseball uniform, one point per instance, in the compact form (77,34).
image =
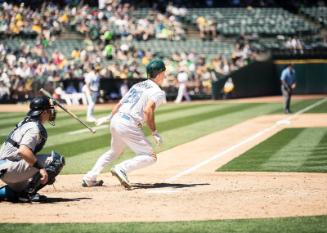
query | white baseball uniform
(126,129)
(182,78)
(92,82)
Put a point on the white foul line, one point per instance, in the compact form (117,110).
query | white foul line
(251,138)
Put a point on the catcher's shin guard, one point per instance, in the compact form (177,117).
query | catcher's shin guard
(53,168)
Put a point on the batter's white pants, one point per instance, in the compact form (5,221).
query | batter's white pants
(125,132)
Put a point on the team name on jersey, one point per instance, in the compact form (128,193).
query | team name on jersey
(145,85)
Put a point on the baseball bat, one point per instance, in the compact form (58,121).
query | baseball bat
(66,110)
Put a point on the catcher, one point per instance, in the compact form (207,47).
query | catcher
(21,168)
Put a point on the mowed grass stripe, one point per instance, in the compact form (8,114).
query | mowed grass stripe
(297,105)
(65,123)
(8,118)
(56,133)
(292,156)
(55,138)
(2,138)
(317,160)
(9,115)
(70,125)
(253,159)
(290,150)
(61,116)
(188,120)
(74,148)
(308,224)
(322,108)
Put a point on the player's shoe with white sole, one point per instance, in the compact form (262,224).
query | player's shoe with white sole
(28,198)
(121,176)
(91,183)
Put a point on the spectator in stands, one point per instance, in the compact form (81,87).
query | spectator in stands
(202,25)
(211,28)
(4,92)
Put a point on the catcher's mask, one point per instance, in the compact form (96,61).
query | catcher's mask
(41,104)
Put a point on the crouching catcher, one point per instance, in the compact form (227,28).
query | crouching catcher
(23,170)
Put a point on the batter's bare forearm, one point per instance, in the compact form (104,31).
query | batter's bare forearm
(149,115)
(151,123)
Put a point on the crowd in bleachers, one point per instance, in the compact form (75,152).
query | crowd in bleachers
(119,40)
(27,68)
(115,18)
(249,21)
(20,20)
(118,20)
(317,13)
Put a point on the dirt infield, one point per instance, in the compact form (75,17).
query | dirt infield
(183,185)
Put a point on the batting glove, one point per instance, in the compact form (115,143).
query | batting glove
(103,120)
(157,138)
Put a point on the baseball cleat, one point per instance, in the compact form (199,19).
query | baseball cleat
(121,176)
(91,183)
(28,198)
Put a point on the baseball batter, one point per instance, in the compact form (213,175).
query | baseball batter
(127,118)
(21,168)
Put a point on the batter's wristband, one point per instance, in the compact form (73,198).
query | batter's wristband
(37,165)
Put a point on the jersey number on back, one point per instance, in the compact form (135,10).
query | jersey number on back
(133,97)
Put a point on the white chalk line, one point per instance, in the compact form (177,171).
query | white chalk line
(234,147)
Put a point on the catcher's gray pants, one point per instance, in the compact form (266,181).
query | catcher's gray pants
(287,98)
(18,173)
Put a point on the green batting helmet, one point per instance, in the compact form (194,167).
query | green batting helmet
(155,67)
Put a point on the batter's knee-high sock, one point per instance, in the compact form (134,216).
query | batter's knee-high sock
(103,161)
(137,162)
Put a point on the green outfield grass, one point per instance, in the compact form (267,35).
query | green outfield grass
(301,104)
(176,123)
(290,150)
(290,225)
(319,109)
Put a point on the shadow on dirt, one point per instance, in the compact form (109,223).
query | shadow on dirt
(164,185)
(51,200)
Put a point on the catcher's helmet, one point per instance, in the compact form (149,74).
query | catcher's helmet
(38,105)
(155,67)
